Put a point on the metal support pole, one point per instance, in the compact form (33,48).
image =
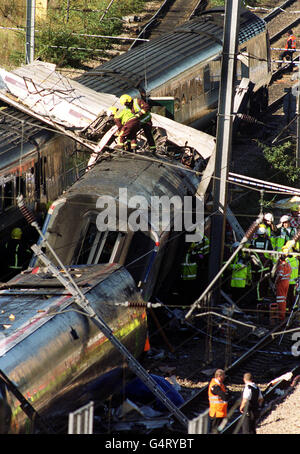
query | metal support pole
(224,133)
(30,25)
(298,122)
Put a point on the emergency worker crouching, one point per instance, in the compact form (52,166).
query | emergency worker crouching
(141,109)
(128,126)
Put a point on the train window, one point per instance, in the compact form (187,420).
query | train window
(215,69)
(8,194)
(207,86)
(99,247)
(21,186)
(243,64)
(139,255)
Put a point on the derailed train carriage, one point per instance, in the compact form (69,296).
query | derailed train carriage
(50,353)
(35,162)
(182,69)
(130,184)
(53,353)
(50,350)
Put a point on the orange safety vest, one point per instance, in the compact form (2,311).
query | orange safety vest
(217,406)
(291,38)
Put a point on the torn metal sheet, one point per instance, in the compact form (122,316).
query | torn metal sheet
(49,94)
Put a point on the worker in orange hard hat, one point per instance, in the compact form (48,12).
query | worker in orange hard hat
(141,109)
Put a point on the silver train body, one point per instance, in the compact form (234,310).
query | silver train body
(35,162)
(149,253)
(185,65)
(53,352)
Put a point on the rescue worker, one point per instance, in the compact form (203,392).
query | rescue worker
(218,396)
(128,126)
(141,109)
(285,232)
(271,228)
(295,217)
(189,271)
(294,263)
(252,400)
(290,48)
(282,280)
(241,274)
(264,261)
(16,255)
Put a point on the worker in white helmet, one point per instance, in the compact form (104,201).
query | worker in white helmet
(271,228)
(262,242)
(285,232)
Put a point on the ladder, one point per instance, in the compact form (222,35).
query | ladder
(134,365)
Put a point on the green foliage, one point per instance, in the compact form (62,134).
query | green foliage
(282,158)
(244,3)
(59,41)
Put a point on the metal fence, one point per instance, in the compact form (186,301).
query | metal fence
(199,425)
(81,420)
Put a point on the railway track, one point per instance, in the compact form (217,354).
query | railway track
(265,354)
(171,14)
(279,21)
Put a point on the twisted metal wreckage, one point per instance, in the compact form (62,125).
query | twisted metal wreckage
(71,328)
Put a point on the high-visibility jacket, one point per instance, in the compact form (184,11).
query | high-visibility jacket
(122,116)
(284,236)
(143,109)
(189,268)
(239,276)
(202,247)
(294,263)
(217,406)
(272,236)
(291,42)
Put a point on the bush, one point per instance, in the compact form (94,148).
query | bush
(283,158)
(59,40)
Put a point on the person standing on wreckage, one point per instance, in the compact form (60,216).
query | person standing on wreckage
(142,110)
(128,126)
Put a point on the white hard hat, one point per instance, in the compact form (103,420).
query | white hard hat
(269,217)
(285,218)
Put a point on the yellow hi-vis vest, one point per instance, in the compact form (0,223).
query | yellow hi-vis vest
(240,274)
(294,262)
(188,269)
